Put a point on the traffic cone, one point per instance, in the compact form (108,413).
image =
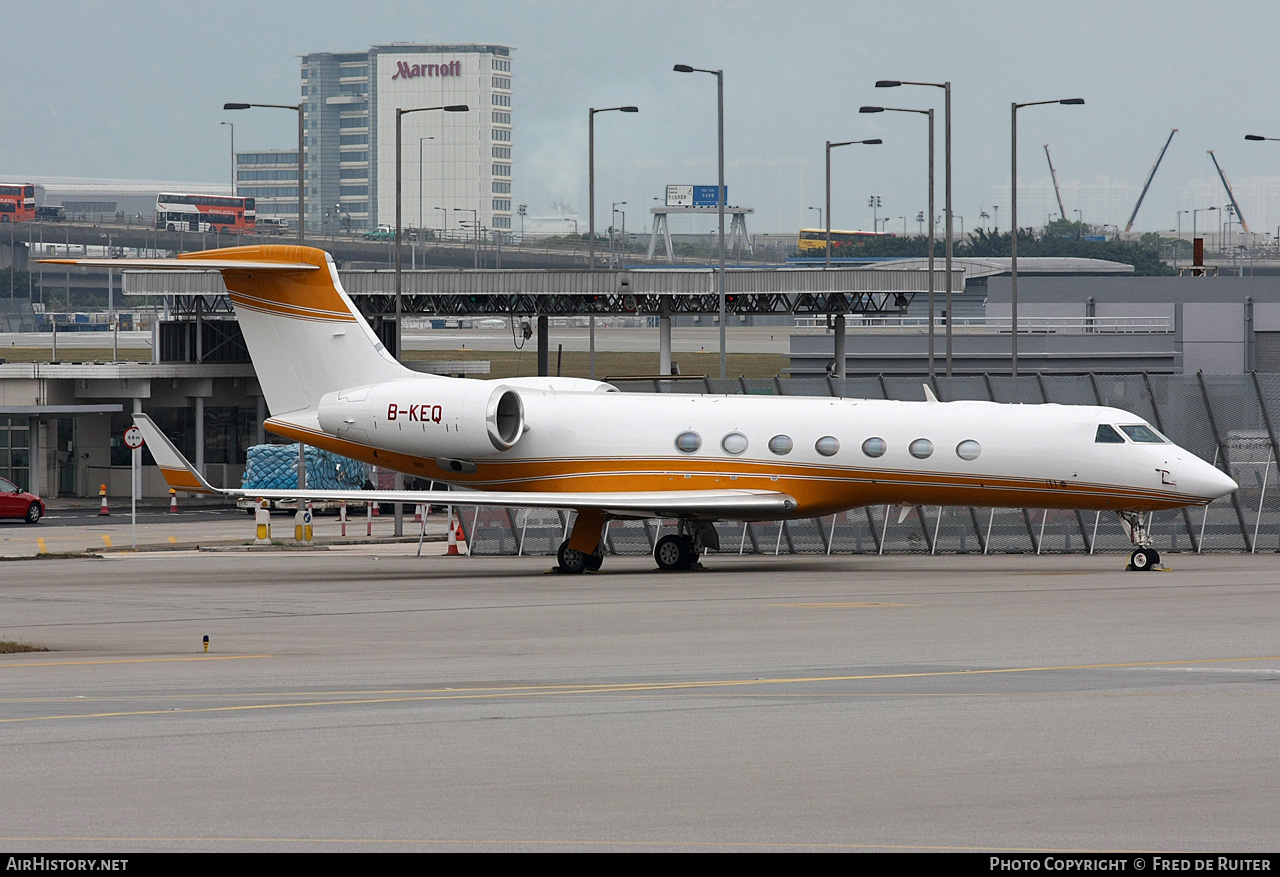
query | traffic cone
(459,537)
(102,509)
(173,501)
(453,540)
(417,513)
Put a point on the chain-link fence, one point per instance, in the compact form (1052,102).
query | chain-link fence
(1229,420)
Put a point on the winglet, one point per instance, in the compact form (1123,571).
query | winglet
(928,395)
(178,473)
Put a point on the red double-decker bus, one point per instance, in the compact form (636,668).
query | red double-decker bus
(179,212)
(17,202)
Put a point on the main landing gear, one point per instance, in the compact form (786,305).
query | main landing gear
(1144,557)
(681,550)
(573,561)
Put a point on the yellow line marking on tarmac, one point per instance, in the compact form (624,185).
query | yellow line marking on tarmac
(106,540)
(173,540)
(40,544)
(847,605)
(623,688)
(7,666)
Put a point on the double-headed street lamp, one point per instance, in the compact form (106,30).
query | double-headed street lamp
(475,224)
(297,108)
(932,220)
(719,75)
(1013,223)
(591,178)
(839,322)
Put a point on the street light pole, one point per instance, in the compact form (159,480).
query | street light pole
(1013,194)
(233,156)
(400,113)
(421,221)
(946,88)
(591,179)
(475,224)
(932,220)
(719,75)
(839,340)
(300,110)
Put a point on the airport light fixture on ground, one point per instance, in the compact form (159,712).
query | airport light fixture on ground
(932,221)
(946,87)
(1013,223)
(297,108)
(719,75)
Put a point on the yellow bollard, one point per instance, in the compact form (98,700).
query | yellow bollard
(206,644)
(262,520)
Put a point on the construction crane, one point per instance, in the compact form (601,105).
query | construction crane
(1062,211)
(1151,176)
(1230,194)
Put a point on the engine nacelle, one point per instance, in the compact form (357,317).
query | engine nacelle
(441,417)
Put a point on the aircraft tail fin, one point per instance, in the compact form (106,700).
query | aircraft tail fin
(178,473)
(304,334)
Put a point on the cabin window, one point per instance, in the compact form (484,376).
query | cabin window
(968,450)
(734,443)
(1143,434)
(827,446)
(921,448)
(688,441)
(781,445)
(874,447)
(1108,436)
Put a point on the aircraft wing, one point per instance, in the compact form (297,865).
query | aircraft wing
(741,505)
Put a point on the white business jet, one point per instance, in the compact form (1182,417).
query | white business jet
(569,443)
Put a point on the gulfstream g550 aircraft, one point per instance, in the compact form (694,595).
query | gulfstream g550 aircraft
(578,444)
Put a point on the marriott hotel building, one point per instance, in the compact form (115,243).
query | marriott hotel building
(455,167)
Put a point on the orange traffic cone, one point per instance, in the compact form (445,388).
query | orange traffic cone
(453,542)
(417,513)
(173,501)
(459,537)
(102,509)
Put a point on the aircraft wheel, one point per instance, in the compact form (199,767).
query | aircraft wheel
(673,552)
(595,560)
(1144,559)
(571,560)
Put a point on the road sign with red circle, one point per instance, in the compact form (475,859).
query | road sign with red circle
(133,437)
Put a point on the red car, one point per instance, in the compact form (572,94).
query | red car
(18,503)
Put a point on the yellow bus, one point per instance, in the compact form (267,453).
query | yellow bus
(816,238)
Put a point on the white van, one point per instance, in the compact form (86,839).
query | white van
(271,226)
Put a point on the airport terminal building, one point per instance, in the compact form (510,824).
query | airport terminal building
(455,167)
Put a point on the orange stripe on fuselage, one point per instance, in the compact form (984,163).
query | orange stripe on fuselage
(817,489)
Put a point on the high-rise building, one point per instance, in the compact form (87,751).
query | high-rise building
(456,167)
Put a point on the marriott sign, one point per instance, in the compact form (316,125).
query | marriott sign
(405,70)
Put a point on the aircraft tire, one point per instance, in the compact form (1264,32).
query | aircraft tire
(1143,559)
(673,553)
(595,560)
(572,561)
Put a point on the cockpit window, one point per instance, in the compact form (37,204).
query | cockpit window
(1108,436)
(1140,432)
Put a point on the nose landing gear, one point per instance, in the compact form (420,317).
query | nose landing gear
(1144,557)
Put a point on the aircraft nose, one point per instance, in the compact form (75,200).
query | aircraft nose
(1203,480)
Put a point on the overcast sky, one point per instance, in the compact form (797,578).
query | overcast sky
(134,90)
